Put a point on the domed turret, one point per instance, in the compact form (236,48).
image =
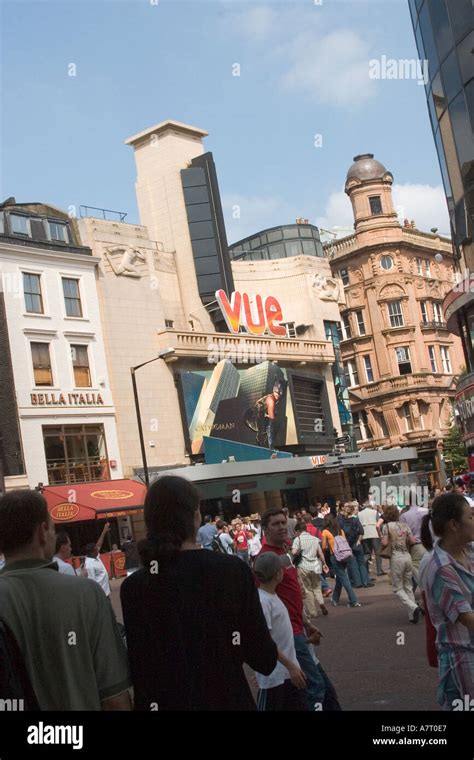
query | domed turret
(369,186)
(365,167)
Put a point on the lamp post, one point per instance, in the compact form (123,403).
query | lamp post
(162,355)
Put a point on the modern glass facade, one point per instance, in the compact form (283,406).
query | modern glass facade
(444,32)
(279,243)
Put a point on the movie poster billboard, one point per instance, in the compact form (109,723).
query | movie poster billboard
(251,405)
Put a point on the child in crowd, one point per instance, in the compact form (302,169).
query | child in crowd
(281,690)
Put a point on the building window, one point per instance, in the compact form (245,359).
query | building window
(403,360)
(352,376)
(375,205)
(386,262)
(427,268)
(445,360)
(437,315)
(368,369)
(169,323)
(360,322)
(72,297)
(76,453)
(432,355)
(406,414)
(424,312)
(419,266)
(395,313)
(80,363)
(380,420)
(344,277)
(20,225)
(32,291)
(362,431)
(41,364)
(346,327)
(58,231)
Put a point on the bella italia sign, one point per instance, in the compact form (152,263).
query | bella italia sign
(66,399)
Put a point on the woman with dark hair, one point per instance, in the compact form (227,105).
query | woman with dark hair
(331,529)
(192,617)
(448,583)
(400,538)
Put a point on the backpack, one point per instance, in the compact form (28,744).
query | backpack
(217,545)
(342,550)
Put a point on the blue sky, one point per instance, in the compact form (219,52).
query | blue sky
(303,72)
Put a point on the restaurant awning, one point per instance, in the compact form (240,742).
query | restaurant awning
(94,501)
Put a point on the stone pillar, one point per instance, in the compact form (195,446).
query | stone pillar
(273,499)
(257,502)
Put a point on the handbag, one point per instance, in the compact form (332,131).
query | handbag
(386,551)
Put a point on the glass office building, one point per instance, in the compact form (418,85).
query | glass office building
(279,243)
(444,32)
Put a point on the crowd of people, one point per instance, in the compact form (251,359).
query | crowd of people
(248,591)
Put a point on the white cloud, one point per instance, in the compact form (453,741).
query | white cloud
(245,215)
(256,24)
(425,204)
(332,69)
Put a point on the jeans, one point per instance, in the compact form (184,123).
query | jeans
(243,555)
(357,567)
(342,581)
(319,689)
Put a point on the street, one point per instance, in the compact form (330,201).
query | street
(359,652)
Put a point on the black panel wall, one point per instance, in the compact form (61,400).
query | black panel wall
(208,235)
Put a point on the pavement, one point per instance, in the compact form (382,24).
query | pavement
(374,656)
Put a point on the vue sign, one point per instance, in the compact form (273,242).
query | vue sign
(255,315)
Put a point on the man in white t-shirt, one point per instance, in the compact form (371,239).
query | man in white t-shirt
(284,688)
(63,553)
(371,538)
(95,567)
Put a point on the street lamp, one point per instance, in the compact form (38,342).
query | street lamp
(162,355)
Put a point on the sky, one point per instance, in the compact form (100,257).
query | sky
(286,90)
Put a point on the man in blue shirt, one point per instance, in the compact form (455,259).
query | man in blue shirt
(206,533)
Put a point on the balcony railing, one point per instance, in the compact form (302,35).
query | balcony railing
(434,324)
(394,384)
(244,348)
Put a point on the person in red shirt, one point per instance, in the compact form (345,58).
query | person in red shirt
(241,537)
(309,526)
(320,693)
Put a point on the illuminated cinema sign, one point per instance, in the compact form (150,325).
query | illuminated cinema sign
(251,313)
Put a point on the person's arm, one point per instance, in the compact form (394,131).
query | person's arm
(325,541)
(100,540)
(298,678)
(120,702)
(323,560)
(467,619)
(411,540)
(258,649)
(447,594)
(384,535)
(295,549)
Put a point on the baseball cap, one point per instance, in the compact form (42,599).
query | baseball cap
(268,564)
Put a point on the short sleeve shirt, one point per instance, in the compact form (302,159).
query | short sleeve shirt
(278,622)
(79,659)
(449,590)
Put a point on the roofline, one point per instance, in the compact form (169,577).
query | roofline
(163,126)
(270,229)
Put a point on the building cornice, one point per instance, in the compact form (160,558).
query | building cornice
(48,254)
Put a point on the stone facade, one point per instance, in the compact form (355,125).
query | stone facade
(401,361)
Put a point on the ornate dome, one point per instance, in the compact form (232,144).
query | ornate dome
(365,167)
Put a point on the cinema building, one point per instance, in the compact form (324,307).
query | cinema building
(226,334)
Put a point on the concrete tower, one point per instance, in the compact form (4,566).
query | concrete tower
(161,152)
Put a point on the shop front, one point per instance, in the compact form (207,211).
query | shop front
(82,509)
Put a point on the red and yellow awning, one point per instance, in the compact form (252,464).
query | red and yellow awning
(94,501)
